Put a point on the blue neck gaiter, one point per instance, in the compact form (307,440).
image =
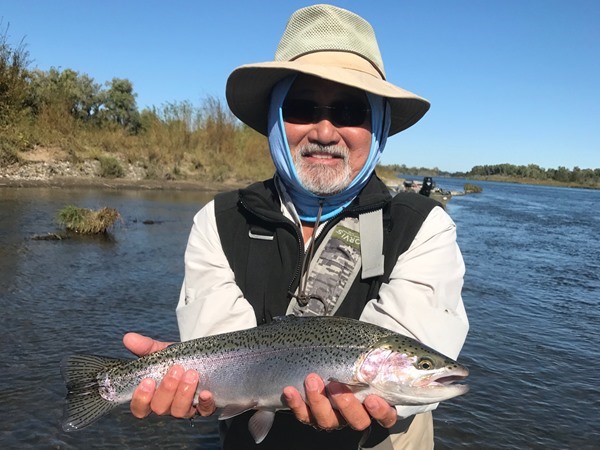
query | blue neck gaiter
(307,203)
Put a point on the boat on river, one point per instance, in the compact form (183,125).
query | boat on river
(427,188)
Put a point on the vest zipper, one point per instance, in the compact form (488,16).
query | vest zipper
(302,298)
(299,240)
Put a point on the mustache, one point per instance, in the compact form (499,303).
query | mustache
(336,151)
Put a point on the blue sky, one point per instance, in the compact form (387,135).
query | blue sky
(510,81)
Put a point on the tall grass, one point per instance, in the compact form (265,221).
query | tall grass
(87,221)
(177,141)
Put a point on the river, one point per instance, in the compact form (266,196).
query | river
(532,292)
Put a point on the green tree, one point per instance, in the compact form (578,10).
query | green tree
(88,98)
(120,105)
(561,174)
(73,92)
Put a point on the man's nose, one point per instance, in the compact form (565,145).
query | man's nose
(324,131)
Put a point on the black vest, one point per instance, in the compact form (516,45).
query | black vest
(265,250)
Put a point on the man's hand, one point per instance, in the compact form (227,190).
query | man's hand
(343,408)
(175,393)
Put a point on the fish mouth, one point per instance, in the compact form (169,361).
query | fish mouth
(428,388)
(449,385)
(449,380)
(446,379)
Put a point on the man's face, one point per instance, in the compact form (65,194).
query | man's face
(329,145)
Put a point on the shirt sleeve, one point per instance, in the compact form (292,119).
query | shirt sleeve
(423,297)
(210,301)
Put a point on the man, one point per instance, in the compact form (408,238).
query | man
(322,237)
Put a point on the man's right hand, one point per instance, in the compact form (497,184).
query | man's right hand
(175,393)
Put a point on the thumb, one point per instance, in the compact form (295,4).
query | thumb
(141,345)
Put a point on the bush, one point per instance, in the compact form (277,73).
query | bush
(472,188)
(87,221)
(8,154)
(110,167)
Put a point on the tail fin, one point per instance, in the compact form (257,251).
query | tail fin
(84,404)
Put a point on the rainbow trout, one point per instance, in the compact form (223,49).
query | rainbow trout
(248,369)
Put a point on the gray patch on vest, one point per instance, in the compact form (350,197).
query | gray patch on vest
(332,271)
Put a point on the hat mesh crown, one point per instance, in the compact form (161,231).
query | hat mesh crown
(328,28)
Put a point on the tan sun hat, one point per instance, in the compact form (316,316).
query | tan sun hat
(330,43)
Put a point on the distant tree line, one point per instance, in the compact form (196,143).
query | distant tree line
(403,169)
(530,172)
(585,177)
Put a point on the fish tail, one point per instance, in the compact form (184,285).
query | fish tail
(84,404)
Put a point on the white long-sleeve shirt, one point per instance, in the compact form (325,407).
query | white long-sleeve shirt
(422,299)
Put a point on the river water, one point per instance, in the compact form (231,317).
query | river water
(532,291)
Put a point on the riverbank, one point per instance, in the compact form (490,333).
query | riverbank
(118,183)
(50,168)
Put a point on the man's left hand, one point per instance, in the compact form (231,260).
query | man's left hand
(339,409)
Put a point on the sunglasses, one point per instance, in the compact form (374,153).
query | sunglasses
(341,114)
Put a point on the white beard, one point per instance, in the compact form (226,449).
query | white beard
(323,179)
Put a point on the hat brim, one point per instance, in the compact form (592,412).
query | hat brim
(249,89)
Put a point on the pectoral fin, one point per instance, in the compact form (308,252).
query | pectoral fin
(260,424)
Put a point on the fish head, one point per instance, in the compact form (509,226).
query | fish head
(406,372)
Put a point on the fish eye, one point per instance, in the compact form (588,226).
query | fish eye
(425,364)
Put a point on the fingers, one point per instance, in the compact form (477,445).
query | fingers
(297,404)
(320,406)
(142,345)
(206,404)
(182,406)
(340,408)
(142,396)
(349,406)
(174,395)
(317,409)
(381,411)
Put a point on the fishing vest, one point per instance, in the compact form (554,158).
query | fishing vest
(354,254)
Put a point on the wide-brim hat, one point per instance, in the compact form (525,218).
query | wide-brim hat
(327,42)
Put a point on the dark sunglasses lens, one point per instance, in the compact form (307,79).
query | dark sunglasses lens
(341,114)
(349,114)
(300,112)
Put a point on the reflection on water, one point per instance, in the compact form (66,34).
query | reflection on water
(531,290)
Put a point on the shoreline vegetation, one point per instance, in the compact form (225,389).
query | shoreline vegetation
(87,221)
(61,128)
